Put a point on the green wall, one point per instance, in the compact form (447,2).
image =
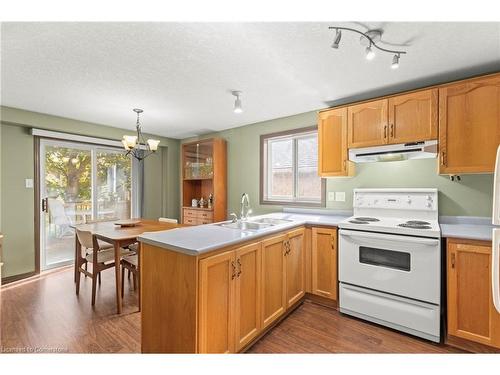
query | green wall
(161,194)
(470,197)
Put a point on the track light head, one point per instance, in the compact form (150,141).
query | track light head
(336,41)
(395,62)
(237,102)
(370,55)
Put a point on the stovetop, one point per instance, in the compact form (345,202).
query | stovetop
(394,225)
(411,212)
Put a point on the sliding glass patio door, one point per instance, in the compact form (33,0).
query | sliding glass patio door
(79,183)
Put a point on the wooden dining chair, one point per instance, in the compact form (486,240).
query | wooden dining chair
(99,253)
(131,263)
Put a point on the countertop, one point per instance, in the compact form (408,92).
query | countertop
(200,239)
(467,227)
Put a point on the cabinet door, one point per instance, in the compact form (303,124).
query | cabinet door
(295,266)
(469,126)
(332,144)
(413,117)
(273,279)
(367,124)
(216,286)
(471,314)
(248,316)
(324,262)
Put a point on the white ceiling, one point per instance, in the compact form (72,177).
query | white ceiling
(180,73)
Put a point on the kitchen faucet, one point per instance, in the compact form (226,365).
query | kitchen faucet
(245,206)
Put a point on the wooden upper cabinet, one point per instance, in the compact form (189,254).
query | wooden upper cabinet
(248,317)
(469,126)
(332,144)
(413,117)
(367,124)
(273,279)
(324,262)
(216,288)
(471,313)
(295,266)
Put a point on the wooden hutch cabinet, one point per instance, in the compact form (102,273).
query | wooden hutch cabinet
(204,175)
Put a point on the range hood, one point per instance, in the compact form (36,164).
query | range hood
(402,151)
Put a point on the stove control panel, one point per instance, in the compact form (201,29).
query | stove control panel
(398,199)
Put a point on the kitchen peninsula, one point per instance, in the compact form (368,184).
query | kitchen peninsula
(216,289)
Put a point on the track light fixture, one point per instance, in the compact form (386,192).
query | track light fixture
(370,37)
(370,55)
(237,102)
(336,41)
(395,62)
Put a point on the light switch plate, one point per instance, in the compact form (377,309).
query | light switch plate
(340,196)
(331,196)
(28,183)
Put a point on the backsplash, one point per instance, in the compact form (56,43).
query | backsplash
(472,196)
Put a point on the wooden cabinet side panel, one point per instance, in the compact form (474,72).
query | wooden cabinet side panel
(324,262)
(220,180)
(168,276)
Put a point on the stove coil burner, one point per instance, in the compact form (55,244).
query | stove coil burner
(366,219)
(414,226)
(358,222)
(417,222)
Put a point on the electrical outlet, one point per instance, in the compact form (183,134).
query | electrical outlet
(331,196)
(340,196)
(28,183)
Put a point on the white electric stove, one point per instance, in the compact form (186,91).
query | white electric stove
(390,260)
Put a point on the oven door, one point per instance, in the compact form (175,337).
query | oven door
(402,265)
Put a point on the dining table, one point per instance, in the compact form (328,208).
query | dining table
(119,237)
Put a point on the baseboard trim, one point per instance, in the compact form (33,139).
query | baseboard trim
(470,346)
(21,276)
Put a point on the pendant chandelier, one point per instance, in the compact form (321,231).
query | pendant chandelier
(136,145)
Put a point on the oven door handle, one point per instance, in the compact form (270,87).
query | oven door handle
(422,241)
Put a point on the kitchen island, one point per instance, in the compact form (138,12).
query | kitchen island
(215,289)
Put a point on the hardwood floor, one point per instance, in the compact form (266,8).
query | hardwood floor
(313,328)
(45,315)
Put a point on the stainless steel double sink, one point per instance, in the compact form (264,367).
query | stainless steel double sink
(254,224)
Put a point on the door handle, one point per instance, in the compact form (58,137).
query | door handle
(443,157)
(385,131)
(239,268)
(233,275)
(392,130)
(452,260)
(45,204)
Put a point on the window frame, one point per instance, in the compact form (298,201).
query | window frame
(264,171)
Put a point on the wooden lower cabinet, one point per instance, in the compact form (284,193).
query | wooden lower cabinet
(273,279)
(217,295)
(248,318)
(471,314)
(220,303)
(324,262)
(295,267)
